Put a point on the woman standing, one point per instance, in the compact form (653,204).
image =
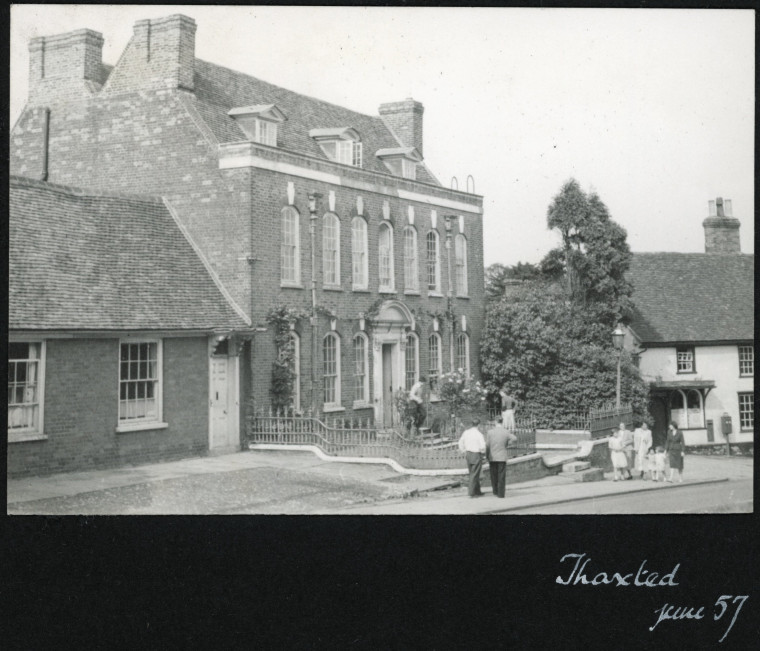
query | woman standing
(675,447)
(642,442)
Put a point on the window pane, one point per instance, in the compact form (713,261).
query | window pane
(747,411)
(360,361)
(330,243)
(386,257)
(289,246)
(410,359)
(434,357)
(410,259)
(359,251)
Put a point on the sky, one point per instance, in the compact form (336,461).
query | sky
(651,109)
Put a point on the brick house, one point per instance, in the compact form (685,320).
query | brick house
(123,347)
(693,331)
(292,201)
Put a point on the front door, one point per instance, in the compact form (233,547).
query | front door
(659,411)
(387,385)
(223,416)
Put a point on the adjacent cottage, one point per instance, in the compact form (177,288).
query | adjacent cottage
(309,215)
(693,332)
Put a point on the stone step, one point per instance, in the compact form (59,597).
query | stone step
(592,474)
(575,466)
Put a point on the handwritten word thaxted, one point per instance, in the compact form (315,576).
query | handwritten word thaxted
(642,577)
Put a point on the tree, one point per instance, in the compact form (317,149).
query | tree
(498,277)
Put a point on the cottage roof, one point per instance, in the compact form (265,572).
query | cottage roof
(218,90)
(693,297)
(86,261)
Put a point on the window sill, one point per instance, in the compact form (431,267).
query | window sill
(411,292)
(291,285)
(23,437)
(686,372)
(361,404)
(363,290)
(742,377)
(435,295)
(332,288)
(463,296)
(386,290)
(328,409)
(140,427)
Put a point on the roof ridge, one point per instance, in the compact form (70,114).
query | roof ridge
(26,181)
(311,97)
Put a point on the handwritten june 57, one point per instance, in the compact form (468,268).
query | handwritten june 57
(669,612)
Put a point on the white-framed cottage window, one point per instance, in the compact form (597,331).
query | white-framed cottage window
(295,348)
(331,370)
(460,256)
(342,145)
(434,362)
(685,362)
(463,352)
(266,132)
(140,382)
(259,122)
(359,266)
(433,261)
(361,368)
(26,383)
(290,247)
(400,161)
(411,360)
(331,250)
(385,251)
(747,411)
(411,269)
(747,361)
(349,152)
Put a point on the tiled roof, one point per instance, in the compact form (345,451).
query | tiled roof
(105,262)
(218,90)
(682,297)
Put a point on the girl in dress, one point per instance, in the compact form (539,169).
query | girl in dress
(651,466)
(659,464)
(617,456)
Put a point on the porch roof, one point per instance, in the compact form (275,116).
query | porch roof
(682,384)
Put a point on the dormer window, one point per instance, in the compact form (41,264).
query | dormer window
(341,145)
(259,122)
(401,161)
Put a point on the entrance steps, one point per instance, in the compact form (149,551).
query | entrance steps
(581,471)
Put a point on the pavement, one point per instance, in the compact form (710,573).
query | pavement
(258,481)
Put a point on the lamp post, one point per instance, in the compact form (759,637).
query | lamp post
(313,199)
(617,342)
(447,219)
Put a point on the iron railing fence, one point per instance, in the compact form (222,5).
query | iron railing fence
(359,438)
(606,419)
(596,419)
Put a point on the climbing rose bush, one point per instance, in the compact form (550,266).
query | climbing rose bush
(461,392)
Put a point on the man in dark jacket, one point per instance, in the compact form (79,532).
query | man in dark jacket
(496,452)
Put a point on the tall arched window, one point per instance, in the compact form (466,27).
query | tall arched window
(290,248)
(331,370)
(361,368)
(411,271)
(463,352)
(434,361)
(460,251)
(411,360)
(295,347)
(385,250)
(433,261)
(359,267)
(331,250)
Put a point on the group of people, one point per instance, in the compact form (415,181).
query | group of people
(492,447)
(635,450)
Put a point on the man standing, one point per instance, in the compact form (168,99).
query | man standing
(473,445)
(417,400)
(496,452)
(508,405)
(626,438)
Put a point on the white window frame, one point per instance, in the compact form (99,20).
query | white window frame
(265,132)
(348,152)
(435,372)
(411,261)
(414,340)
(391,286)
(686,360)
(154,422)
(746,415)
(463,337)
(327,280)
(436,239)
(747,360)
(20,434)
(336,377)
(294,249)
(359,254)
(363,366)
(460,264)
(295,342)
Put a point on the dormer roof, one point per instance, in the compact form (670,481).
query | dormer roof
(263,111)
(410,153)
(336,133)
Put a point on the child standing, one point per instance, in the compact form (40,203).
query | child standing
(650,468)
(659,464)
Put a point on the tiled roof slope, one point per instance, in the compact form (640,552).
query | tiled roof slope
(84,262)
(682,297)
(218,89)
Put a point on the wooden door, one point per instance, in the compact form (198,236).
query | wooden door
(219,404)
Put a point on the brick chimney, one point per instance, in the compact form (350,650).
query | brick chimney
(61,66)
(160,54)
(721,228)
(404,119)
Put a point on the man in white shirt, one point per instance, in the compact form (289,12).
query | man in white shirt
(417,400)
(473,445)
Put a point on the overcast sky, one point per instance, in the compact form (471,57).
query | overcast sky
(653,109)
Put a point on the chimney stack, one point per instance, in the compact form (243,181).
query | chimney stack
(61,65)
(404,119)
(721,228)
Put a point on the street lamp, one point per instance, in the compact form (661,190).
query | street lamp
(314,197)
(617,343)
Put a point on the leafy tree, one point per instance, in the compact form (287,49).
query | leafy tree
(498,277)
